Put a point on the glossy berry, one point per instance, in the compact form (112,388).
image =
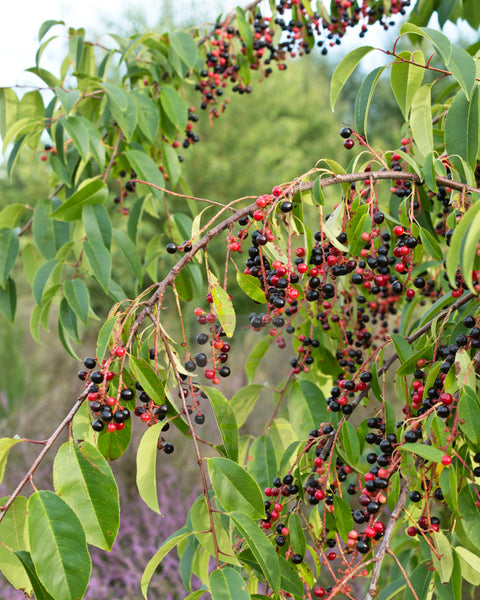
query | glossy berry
(90,363)
(96,377)
(98,425)
(446,460)
(349,144)
(168,448)
(345,132)
(297,559)
(171,248)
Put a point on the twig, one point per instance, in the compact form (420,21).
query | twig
(49,443)
(384,546)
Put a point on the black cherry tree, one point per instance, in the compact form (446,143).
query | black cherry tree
(364,277)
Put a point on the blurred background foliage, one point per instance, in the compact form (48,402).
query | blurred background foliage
(265,138)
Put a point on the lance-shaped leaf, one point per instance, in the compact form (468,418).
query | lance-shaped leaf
(406,78)
(58,546)
(461,126)
(14,537)
(224,309)
(226,423)
(147,466)
(168,544)
(9,246)
(261,548)
(84,479)
(343,71)
(76,293)
(235,488)
(228,584)
(421,119)
(92,191)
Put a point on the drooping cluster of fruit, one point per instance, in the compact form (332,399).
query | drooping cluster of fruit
(294,30)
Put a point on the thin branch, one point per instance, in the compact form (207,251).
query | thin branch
(384,546)
(49,443)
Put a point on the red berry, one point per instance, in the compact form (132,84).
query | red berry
(145,417)
(332,555)
(120,352)
(258,215)
(412,531)
(446,460)
(398,230)
(277,191)
(319,592)
(348,144)
(112,427)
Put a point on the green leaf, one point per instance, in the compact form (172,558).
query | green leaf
(226,422)
(68,321)
(112,444)
(420,582)
(104,335)
(403,348)
(79,134)
(243,402)
(255,357)
(84,479)
(427,452)
(49,235)
(461,127)
(9,246)
(8,299)
(122,107)
(444,564)
(100,263)
(297,537)
(148,115)
(130,254)
(470,564)
(448,485)
(251,286)
(364,98)
(8,109)
(174,106)
(289,579)
(147,466)
(245,29)
(146,170)
(91,191)
(41,279)
(200,519)
(421,119)
(430,244)
(350,443)
(224,309)
(170,543)
(392,589)
(457,242)
(343,517)
(31,575)
(45,76)
(76,293)
(185,46)
(228,584)
(154,387)
(406,79)
(14,536)
(235,488)
(46,26)
(58,546)
(469,413)
(68,99)
(343,71)
(97,224)
(261,462)
(463,68)
(428,172)
(171,162)
(317,193)
(304,414)
(261,548)
(441,42)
